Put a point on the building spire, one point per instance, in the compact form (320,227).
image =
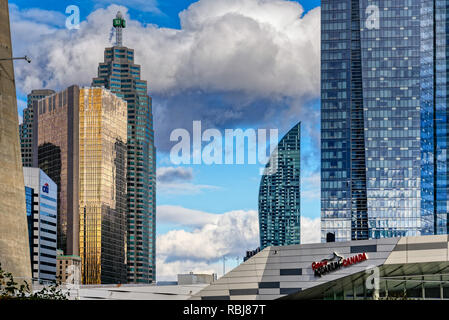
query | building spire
(119,23)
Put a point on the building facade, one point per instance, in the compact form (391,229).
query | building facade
(279,193)
(102,186)
(68,269)
(56,152)
(41,199)
(411,267)
(26,127)
(80,142)
(14,240)
(383,119)
(121,75)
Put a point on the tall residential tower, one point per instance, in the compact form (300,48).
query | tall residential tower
(121,75)
(384,134)
(279,193)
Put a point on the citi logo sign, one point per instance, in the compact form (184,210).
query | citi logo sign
(45,188)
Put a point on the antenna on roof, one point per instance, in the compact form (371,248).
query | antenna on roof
(119,24)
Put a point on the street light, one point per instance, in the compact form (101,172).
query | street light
(26,58)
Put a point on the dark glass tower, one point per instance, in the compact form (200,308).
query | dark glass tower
(26,127)
(383,120)
(279,193)
(121,75)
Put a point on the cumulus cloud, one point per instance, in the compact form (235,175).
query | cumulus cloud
(141,5)
(310,230)
(233,62)
(170,174)
(311,186)
(184,217)
(176,181)
(261,47)
(230,234)
(212,236)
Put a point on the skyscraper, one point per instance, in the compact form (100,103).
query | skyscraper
(56,152)
(102,186)
(383,119)
(26,127)
(41,198)
(121,75)
(80,142)
(14,241)
(279,193)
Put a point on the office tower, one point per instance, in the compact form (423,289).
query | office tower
(26,127)
(383,119)
(80,142)
(121,75)
(14,241)
(41,199)
(279,193)
(102,186)
(434,117)
(56,152)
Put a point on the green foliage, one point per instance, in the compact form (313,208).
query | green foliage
(9,289)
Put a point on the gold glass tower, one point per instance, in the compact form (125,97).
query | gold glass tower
(102,186)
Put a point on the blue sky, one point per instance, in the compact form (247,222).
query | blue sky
(222,99)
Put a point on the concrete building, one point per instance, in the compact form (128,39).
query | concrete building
(80,142)
(14,241)
(41,197)
(191,278)
(120,74)
(68,269)
(413,267)
(26,127)
(280,194)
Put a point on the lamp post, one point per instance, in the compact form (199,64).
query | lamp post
(26,58)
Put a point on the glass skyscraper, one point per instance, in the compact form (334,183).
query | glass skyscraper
(279,193)
(121,75)
(26,127)
(102,186)
(80,143)
(383,119)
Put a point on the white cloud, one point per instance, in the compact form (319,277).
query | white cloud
(311,186)
(170,174)
(183,188)
(183,216)
(141,5)
(212,237)
(230,234)
(310,230)
(259,47)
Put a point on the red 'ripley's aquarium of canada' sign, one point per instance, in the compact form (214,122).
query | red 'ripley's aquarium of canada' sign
(336,262)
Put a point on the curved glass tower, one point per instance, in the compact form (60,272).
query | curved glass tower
(279,193)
